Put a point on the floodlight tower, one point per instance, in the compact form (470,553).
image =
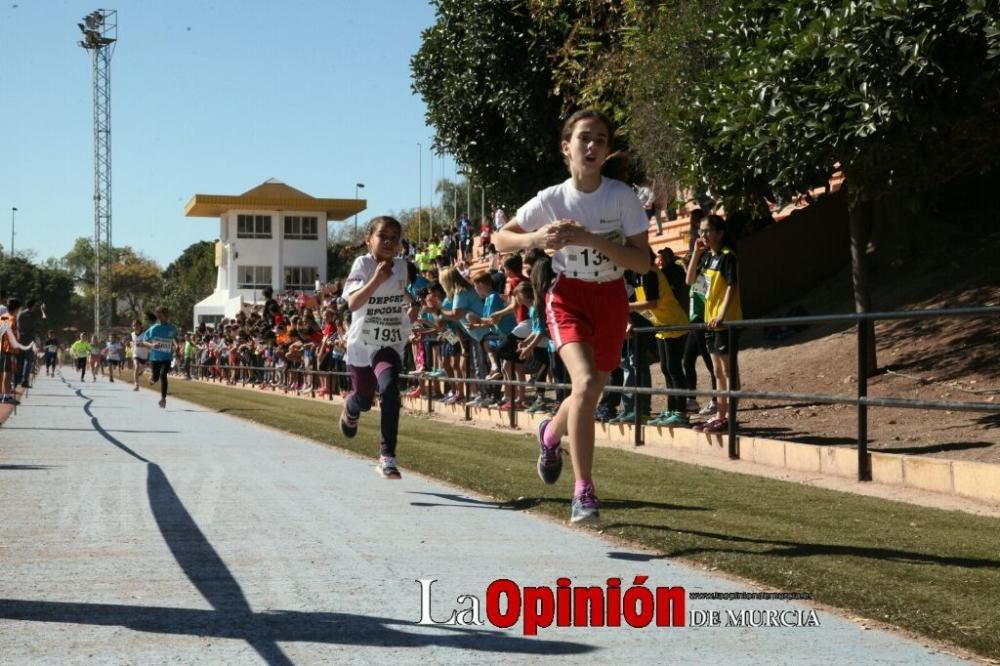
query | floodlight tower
(100,32)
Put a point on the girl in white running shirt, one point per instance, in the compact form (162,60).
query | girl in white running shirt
(382,315)
(598,229)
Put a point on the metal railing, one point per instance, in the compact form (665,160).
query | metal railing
(861,401)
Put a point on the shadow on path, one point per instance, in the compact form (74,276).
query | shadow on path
(781,548)
(281,626)
(522,503)
(232,616)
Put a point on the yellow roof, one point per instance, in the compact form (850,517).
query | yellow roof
(272,195)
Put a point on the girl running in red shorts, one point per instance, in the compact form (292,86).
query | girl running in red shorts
(598,229)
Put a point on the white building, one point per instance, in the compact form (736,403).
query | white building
(271,236)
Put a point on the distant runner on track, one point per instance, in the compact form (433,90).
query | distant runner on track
(159,338)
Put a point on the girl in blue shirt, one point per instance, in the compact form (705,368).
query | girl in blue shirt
(160,339)
(466,308)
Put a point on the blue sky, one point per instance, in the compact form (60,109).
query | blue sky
(210,97)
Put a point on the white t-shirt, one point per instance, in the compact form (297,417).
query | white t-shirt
(612,210)
(499,218)
(383,320)
(140,352)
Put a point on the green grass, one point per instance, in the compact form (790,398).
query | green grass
(932,572)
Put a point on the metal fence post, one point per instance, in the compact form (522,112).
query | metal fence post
(864,466)
(734,449)
(637,358)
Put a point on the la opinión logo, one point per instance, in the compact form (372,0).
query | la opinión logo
(566,605)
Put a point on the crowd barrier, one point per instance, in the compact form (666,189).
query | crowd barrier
(864,323)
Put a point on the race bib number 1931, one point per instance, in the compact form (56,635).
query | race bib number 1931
(381,333)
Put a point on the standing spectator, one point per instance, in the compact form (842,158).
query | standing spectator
(485,235)
(272,311)
(27,331)
(465,238)
(717,262)
(499,218)
(648,200)
(190,350)
(663,298)
(697,215)
(10,352)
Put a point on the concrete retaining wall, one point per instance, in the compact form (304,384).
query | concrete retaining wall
(974,480)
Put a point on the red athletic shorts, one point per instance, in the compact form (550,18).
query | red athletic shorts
(594,313)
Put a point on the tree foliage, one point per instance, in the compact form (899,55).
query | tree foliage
(54,287)
(901,94)
(135,283)
(187,280)
(484,72)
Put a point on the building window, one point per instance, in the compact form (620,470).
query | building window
(301,277)
(253,226)
(254,277)
(301,228)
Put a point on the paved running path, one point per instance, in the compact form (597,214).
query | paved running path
(132,534)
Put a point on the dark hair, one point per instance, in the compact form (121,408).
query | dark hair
(377,223)
(514,263)
(374,225)
(542,276)
(534,255)
(268,292)
(716,222)
(617,166)
(13,304)
(585,114)
(719,224)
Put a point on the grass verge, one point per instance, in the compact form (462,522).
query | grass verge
(932,572)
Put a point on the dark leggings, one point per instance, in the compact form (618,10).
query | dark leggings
(381,377)
(81,365)
(671,352)
(160,371)
(694,348)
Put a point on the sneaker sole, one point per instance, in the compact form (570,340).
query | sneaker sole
(388,477)
(344,428)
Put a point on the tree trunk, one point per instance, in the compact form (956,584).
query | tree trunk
(860,214)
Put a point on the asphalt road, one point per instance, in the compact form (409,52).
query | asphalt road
(136,535)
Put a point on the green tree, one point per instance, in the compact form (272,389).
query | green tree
(79,261)
(901,95)
(54,287)
(483,70)
(135,282)
(187,280)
